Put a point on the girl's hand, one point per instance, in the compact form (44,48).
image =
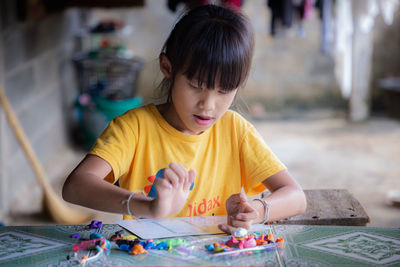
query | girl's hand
(172,190)
(240,213)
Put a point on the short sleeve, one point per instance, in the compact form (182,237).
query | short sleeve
(257,160)
(116,145)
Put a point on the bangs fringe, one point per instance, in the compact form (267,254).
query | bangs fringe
(212,58)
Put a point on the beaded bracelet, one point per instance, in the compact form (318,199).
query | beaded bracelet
(128,201)
(266,209)
(127,204)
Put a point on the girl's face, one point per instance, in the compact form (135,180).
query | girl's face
(195,109)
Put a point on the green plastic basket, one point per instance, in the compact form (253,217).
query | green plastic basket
(94,119)
(114,108)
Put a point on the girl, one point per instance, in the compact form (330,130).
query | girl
(193,136)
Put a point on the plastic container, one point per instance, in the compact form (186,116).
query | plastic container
(107,73)
(107,83)
(113,108)
(95,117)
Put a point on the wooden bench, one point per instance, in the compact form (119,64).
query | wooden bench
(330,207)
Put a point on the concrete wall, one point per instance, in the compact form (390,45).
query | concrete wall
(36,73)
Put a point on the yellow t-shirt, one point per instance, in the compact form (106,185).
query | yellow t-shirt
(227,156)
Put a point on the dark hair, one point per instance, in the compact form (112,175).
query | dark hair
(208,43)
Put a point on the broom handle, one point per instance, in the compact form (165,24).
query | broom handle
(23,140)
(57,209)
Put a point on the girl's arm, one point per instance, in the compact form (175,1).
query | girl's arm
(287,199)
(86,186)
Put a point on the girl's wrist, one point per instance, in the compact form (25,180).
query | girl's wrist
(153,211)
(139,207)
(156,210)
(259,207)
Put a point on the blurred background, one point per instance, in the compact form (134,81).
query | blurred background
(324,90)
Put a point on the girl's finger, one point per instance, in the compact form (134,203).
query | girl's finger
(247,208)
(190,180)
(234,199)
(161,184)
(251,216)
(226,228)
(180,171)
(171,177)
(230,220)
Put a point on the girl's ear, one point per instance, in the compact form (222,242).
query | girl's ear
(165,66)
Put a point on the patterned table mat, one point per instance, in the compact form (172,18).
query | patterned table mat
(304,246)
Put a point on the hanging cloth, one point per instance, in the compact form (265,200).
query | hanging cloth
(281,12)
(326,7)
(348,17)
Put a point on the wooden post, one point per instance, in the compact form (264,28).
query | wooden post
(361,67)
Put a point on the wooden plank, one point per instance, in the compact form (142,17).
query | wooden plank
(330,207)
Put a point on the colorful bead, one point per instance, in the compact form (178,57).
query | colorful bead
(209,247)
(138,249)
(162,245)
(280,242)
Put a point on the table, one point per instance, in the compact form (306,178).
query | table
(330,207)
(305,245)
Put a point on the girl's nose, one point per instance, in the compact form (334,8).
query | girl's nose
(207,100)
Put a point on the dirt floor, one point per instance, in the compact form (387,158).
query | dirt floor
(323,151)
(331,153)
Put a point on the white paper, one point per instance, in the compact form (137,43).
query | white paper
(173,227)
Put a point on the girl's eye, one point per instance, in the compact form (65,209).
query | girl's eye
(224,92)
(194,86)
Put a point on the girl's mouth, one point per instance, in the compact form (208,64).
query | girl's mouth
(202,120)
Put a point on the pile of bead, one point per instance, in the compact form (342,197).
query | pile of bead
(97,242)
(242,241)
(136,246)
